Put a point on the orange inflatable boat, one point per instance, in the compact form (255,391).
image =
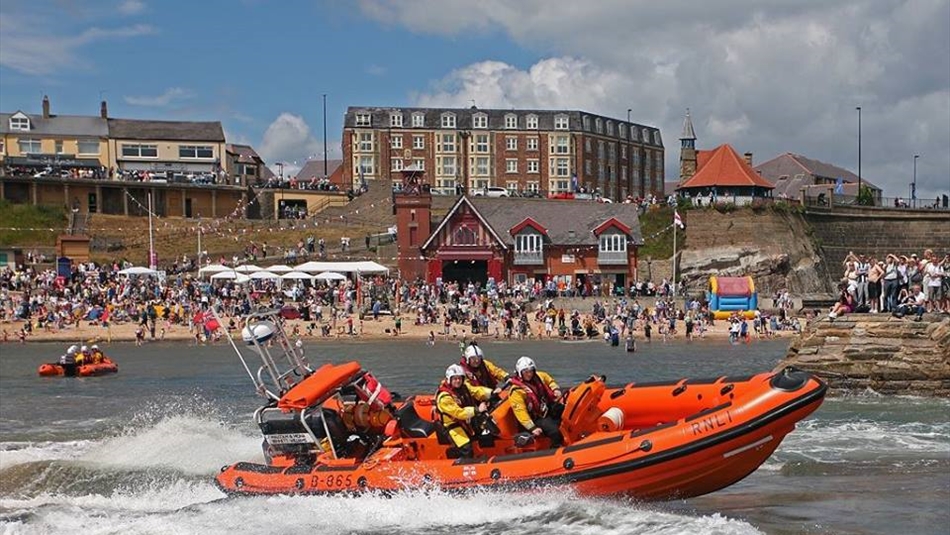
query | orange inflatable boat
(53,369)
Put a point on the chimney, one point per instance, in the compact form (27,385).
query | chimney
(103,110)
(45,107)
(748,158)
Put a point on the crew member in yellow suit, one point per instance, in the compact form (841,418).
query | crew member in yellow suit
(457,403)
(536,401)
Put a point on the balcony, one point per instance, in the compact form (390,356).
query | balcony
(529,258)
(612,258)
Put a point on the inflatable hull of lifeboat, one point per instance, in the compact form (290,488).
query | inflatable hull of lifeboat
(653,441)
(107,366)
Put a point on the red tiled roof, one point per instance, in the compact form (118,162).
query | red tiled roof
(724,167)
(702,156)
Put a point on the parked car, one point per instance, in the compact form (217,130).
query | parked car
(492,191)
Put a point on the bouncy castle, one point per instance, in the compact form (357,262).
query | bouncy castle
(728,295)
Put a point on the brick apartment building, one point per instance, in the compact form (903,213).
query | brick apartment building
(524,151)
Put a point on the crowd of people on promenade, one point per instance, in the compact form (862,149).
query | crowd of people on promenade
(897,284)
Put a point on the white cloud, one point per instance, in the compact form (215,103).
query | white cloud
(766,76)
(29,44)
(171,95)
(131,7)
(288,140)
(376,70)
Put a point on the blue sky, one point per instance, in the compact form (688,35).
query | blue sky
(766,76)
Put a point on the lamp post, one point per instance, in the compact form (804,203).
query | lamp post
(628,114)
(859,152)
(325,136)
(913,185)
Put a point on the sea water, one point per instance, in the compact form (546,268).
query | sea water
(137,452)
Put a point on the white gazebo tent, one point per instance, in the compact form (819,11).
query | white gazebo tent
(212,269)
(342,267)
(330,276)
(248,268)
(280,268)
(296,275)
(260,275)
(231,275)
(138,270)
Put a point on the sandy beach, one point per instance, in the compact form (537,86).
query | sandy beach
(368,329)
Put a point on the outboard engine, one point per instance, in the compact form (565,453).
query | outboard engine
(285,435)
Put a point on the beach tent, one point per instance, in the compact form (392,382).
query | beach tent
(225,275)
(330,276)
(264,275)
(296,275)
(248,268)
(342,267)
(280,268)
(138,270)
(213,268)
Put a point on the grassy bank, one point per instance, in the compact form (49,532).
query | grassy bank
(27,225)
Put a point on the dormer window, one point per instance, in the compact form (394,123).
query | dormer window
(646,136)
(395,120)
(19,121)
(561,122)
(364,119)
(599,125)
(479,120)
(511,121)
(448,120)
(418,120)
(586,122)
(623,131)
(610,128)
(531,122)
(613,243)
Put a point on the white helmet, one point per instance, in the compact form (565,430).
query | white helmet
(473,351)
(73,349)
(524,363)
(454,371)
(95,347)
(84,349)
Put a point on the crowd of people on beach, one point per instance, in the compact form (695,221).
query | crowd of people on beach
(899,285)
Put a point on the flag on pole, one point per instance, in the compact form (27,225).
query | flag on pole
(677,220)
(574,185)
(839,186)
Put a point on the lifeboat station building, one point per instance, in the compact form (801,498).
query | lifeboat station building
(516,240)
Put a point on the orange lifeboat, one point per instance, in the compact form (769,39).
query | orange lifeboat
(331,433)
(54,369)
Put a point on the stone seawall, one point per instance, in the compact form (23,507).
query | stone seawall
(878,352)
(876,231)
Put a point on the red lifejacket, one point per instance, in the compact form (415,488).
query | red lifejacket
(538,393)
(463,398)
(479,375)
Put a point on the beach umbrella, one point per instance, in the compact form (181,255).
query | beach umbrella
(280,268)
(330,276)
(264,275)
(138,270)
(296,275)
(213,268)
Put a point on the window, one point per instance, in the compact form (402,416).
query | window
(481,165)
(534,166)
(633,133)
(366,141)
(29,146)
(612,151)
(447,185)
(479,120)
(395,142)
(19,123)
(512,187)
(623,152)
(195,151)
(395,119)
(623,131)
(511,143)
(600,150)
(446,143)
(646,136)
(365,165)
(418,142)
(588,167)
(586,122)
(89,146)
(587,145)
(599,125)
(613,243)
(656,137)
(511,121)
(560,185)
(418,120)
(448,120)
(533,187)
(561,122)
(445,165)
(533,143)
(3,146)
(464,235)
(561,166)
(395,164)
(481,143)
(600,170)
(59,147)
(623,172)
(419,164)
(140,151)
(528,243)
(511,165)
(610,128)
(531,122)
(562,145)
(364,119)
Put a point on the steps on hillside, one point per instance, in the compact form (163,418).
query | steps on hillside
(373,208)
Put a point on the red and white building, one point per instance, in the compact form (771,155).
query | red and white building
(518,239)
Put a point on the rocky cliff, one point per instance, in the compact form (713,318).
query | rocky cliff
(885,354)
(773,246)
